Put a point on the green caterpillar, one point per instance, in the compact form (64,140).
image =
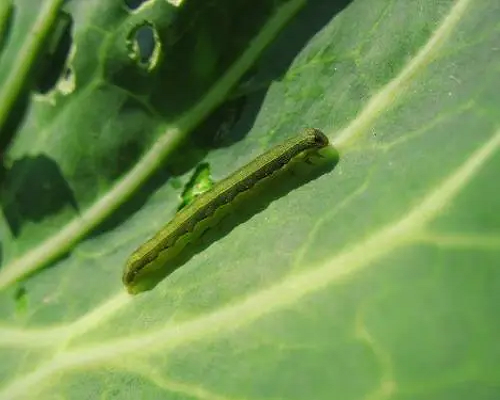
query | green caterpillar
(176,234)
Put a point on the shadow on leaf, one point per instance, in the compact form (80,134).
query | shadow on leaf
(34,188)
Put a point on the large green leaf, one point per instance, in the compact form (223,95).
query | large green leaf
(379,279)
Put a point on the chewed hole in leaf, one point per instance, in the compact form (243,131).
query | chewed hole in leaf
(67,82)
(52,61)
(134,4)
(144,46)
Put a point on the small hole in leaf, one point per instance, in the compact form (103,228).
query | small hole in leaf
(144,46)
(67,82)
(134,4)
(52,61)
